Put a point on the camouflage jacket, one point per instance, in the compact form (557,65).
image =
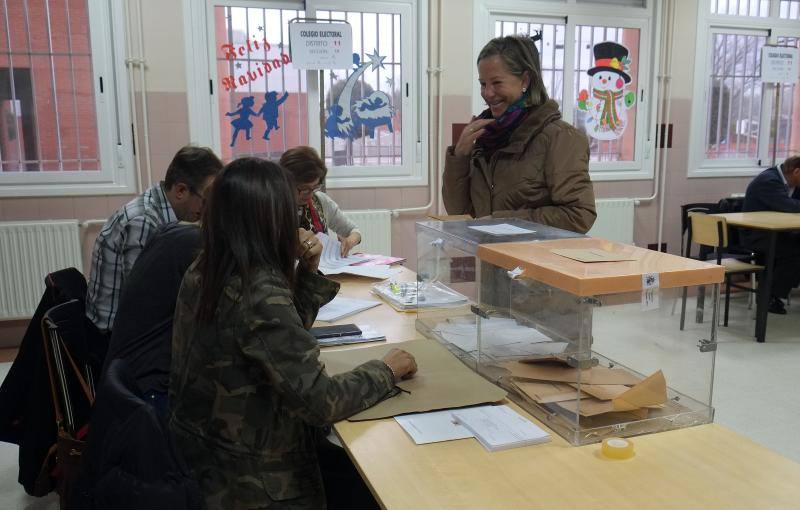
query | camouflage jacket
(248,391)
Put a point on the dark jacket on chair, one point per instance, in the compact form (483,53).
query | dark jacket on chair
(27,417)
(130,461)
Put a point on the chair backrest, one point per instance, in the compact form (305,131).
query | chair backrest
(708,230)
(686,226)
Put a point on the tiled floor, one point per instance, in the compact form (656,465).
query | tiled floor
(755,385)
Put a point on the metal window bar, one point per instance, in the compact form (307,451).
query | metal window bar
(57,117)
(733,87)
(74,86)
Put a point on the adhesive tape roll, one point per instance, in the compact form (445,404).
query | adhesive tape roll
(617,448)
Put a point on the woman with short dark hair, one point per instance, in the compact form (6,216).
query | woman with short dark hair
(518,158)
(248,393)
(318,212)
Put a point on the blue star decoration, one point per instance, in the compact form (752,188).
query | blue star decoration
(333,76)
(390,82)
(375,61)
(260,28)
(280,45)
(238,65)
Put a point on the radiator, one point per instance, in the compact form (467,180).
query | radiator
(614,220)
(376,230)
(29,250)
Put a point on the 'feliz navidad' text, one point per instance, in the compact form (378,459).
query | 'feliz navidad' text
(233,52)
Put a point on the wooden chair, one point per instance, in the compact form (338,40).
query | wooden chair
(712,232)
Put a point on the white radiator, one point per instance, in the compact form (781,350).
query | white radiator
(614,220)
(29,250)
(376,230)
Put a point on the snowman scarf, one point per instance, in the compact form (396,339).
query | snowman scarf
(609,118)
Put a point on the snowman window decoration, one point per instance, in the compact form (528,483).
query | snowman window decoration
(607,102)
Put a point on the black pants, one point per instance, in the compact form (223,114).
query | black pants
(786,274)
(344,487)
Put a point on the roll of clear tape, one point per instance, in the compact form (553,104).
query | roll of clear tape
(617,448)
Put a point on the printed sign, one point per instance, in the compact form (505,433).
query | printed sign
(650,294)
(779,64)
(321,45)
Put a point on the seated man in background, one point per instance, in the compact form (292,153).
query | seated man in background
(142,333)
(777,189)
(179,197)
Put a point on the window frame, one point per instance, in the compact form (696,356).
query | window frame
(487,12)
(107,29)
(199,36)
(709,24)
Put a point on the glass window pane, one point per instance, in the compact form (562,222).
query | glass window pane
(787,135)
(754,8)
(48,120)
(607,78)
(363,104)
(789,9)
(734,109)
(262,99)
(551,51)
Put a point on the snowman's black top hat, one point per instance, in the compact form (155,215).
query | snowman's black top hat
(609,56)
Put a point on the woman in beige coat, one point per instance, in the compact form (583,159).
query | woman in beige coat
(518,158)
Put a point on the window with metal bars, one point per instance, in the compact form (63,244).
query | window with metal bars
(59,103)
(746,124)
(388,149)
(757,8)
(551,50)
(789,9)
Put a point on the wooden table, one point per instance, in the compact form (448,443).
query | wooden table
(772,223)
(704,467)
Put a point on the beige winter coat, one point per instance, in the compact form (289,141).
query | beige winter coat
(541,175)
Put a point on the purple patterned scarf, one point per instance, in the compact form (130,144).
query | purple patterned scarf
(498,133)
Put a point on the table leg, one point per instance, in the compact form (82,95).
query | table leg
(765,288)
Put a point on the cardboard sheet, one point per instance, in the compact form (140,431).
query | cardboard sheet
(546,392)
(547,372)
(442,381)
(589,255)
(603,391)
(648,393)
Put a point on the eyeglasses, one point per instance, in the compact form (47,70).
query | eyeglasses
(308,190)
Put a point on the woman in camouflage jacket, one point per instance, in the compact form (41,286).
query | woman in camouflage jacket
(247,389)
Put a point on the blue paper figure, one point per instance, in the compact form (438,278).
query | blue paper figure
(337,125)
(345,116)
(373,111)
(269,111)
(243,122)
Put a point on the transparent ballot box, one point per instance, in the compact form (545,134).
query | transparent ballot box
(585,334)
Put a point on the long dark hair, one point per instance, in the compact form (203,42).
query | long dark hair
(249,221)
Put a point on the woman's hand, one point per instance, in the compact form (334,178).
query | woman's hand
(309,249)
(472,132)
(403,364)
(348,242)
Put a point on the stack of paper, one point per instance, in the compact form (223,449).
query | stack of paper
(602,390)
(332,262)
(502,229)
(368,334)
(341,307)
(411,295)
(500,337)
(500,427)
(432,427)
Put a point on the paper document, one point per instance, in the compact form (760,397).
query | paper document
(432,427)
(379,272)
(593,255)
(502,229)
(502,335)
(332,253)
(341,307)
(368,334)
(413,295)
(500,427)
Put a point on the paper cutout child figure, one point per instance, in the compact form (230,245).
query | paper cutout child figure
(337,124)
(269,111)
(373,111)
(243,122)
(607,103)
